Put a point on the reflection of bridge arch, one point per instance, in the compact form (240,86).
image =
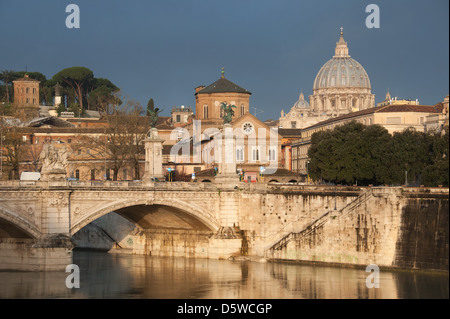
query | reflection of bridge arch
(14,226)
(192,211)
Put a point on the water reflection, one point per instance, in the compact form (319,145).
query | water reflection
(128,276)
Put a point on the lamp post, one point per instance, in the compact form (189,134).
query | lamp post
(334,198)
(307,172)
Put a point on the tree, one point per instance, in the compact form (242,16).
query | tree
(13,149)
(7,76)
(410,154)
(76,78)
(138,128)
(121,141)
(101,91)
(355,153)
(437,173)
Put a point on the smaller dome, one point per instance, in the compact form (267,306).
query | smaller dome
(301,103)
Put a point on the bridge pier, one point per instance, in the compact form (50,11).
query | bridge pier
(185,243)
(44,254)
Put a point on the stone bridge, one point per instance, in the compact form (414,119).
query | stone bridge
(356,225)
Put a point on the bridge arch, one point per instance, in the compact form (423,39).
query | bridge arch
(192,211)
(17,225)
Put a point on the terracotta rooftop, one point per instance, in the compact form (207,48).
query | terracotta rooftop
(413,108)
(289,132)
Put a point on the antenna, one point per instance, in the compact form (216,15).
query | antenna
(257,111)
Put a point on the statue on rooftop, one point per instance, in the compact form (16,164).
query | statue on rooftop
(228,112)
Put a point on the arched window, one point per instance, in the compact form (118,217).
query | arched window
(242,110)
(205,111)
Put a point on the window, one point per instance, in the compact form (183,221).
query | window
(178,120)
(205,111)
(272,154)
(293,124)
(34,90)
(69,140)
(240,154)
(255,153)
(393,120)
(92,174)
(34,101)
(28,101)
(221,112)
(125,174)
(242,110)
(77,174)
(79,151)
(197,169)
(27,90)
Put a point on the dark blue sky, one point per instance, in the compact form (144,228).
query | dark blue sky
(164,49)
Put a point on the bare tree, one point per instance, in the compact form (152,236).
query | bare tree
(121,141)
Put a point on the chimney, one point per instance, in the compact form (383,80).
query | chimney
(199,88)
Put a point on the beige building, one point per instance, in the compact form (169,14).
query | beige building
(255,146)
(395,118)
(395,100)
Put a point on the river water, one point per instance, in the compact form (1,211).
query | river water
(104,275)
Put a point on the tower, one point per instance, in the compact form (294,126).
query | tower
(208,99)
(26,92)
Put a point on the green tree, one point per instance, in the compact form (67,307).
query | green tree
(77,78)
(410,154)
(101,91)
(350,153)
(437,172)
(7,76)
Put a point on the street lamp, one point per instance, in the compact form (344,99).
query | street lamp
(406,178)
(307,172)
(335,198)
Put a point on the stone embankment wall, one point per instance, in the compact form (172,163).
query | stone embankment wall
(390,227)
